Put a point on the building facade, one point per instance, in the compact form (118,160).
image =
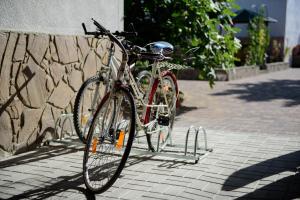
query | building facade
(285,34)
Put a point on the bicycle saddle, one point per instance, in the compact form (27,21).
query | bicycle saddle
(161,47)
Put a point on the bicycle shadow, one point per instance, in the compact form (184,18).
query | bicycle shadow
(64,186)
(289,162)
(67,184)
(185,109)
(42,153)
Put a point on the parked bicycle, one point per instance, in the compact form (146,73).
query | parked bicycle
(93,89)
(127,110)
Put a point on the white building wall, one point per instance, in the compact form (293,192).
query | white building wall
(274,8)
(59,16)
(292,29)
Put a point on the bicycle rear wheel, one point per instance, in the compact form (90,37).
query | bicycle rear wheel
(88,97)
(109,140)
(163,98)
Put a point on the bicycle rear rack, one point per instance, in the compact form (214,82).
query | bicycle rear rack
(194,155)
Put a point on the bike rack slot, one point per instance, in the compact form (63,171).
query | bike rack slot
(196,131)
(62,120)
(194,154)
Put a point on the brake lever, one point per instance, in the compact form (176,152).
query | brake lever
(132,27)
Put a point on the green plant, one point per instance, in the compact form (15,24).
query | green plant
(201,28)
(287,51)
(259,39)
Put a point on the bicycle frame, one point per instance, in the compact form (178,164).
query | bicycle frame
(119,74)
(128,79)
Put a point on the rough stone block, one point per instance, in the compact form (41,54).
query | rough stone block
(15,68)
(84,47)
(15,108)
(49,84)
(89,67)
(6,67)
(31,82)
(61,95)
(66,49)
(20,48)
(3,41)
(47,123)
(28,124)
(56,71)
(5,132)
(101,50)
(75,79)
(37,46)
(53,51)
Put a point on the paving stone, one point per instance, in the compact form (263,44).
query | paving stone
(220,197)
(155,196)
(232,194)
(133,194)
(196,194)
(213,188)
(158,188)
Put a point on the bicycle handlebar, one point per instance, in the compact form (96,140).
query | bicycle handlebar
(140,51)
(104,31)
(95,33)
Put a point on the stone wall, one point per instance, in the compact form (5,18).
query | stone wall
(237,73)
(278,66)
(39,77)
(248,71)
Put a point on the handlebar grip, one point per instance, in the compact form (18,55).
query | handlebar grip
(84,28)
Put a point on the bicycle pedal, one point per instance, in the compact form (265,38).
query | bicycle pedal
(163,120)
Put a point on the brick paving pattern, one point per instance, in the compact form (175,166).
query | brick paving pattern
(253,127)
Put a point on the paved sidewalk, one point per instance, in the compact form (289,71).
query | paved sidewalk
(253,127)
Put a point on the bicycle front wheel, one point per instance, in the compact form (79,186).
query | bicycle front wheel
(109,140)
(88,97)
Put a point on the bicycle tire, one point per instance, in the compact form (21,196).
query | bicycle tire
(155,88)
(79,103)
(99,175)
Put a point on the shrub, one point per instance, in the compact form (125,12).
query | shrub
(259,40)
(201,28)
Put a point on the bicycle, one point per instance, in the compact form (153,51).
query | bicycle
(116,119)
(93,89)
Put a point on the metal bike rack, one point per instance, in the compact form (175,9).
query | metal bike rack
(196,146)
(62,120)
(168,149)
(194,153)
